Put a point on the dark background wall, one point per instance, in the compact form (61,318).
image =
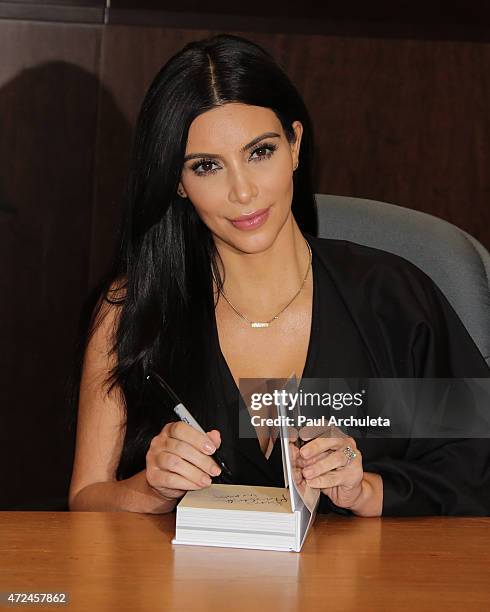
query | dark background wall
(400,105)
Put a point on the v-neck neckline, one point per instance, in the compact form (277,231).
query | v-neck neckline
(314,330)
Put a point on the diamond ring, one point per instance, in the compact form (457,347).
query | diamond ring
(349,453)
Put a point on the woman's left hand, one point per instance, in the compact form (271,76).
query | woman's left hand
(325,465)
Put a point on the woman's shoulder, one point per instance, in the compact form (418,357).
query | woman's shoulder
(382,289)
(343,250)
(116,293)
(352,261)
(104,304)
(362,273)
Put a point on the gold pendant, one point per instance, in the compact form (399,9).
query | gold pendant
(257,324)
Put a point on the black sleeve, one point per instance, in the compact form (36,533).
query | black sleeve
(438,476)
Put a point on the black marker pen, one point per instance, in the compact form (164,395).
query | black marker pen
(184,415)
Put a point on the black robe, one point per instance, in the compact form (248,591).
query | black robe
(380,316)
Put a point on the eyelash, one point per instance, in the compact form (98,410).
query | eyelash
(268,146)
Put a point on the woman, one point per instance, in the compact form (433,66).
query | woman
(219,235)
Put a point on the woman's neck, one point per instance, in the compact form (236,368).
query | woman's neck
(264,282)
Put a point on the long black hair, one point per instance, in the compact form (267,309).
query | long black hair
(161,271)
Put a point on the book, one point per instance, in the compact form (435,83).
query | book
(249,516)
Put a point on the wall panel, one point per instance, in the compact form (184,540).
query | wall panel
(48,95)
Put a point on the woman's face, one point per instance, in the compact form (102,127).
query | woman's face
(239,161)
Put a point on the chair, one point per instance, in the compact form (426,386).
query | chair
(455,261)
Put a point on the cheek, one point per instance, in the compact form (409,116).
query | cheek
(205,196)
(206,207)
(278,180)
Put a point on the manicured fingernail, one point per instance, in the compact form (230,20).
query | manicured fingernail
(205,480)
(215,470)
(209,448)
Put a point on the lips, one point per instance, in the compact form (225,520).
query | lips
(251,222)
(249,217)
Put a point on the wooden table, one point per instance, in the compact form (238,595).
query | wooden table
(115,561)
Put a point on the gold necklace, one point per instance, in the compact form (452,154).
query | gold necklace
(266,323)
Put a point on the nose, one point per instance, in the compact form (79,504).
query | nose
(243,188)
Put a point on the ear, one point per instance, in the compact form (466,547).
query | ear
(295,146)
(181,191)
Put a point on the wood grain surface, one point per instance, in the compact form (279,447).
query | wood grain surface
(125,561)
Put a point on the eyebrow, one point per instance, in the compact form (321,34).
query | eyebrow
(244,148)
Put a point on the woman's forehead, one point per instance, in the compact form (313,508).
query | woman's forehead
(230,126)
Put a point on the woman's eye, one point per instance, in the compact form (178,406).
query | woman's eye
(203,163)
(203,167)
(268,148)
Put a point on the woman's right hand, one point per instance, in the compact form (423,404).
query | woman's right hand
(178,460)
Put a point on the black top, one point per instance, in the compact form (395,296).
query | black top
(376,315)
